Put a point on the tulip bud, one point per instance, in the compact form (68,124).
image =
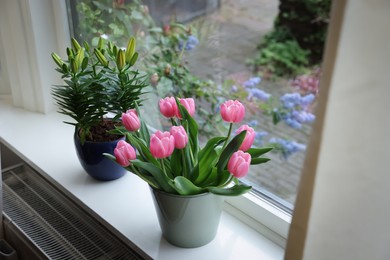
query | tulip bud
(232,111)
(130,120)
(180,135)
(124,152)
(188,104)
(239,163)
(168,107)
(162,144)
(249,137)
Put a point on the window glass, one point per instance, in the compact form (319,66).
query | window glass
(266,53)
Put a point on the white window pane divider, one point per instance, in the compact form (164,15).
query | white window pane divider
(30,30)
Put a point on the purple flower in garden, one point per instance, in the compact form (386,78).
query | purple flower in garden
(191,43)
(253,123)
(234,88)
(252,82)
(288,147)
(307,100)
(293,123)
(258,93)
(303,116)
(290,100)
(259,138)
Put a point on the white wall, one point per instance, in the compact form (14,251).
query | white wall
(350,214)
(29,31)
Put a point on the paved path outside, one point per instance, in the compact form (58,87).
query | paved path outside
(228,37)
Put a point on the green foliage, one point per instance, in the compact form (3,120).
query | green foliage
(282,58)
(191,170)
(96,82)
(297,39)
(117,21)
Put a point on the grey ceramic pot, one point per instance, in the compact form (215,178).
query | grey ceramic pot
(188,221)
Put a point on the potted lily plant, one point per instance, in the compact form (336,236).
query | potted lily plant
(100,83)
(188,182)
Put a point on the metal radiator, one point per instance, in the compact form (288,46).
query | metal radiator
(40,222)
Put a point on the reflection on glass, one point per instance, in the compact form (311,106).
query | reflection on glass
(216,50)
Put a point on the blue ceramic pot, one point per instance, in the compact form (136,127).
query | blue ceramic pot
(98,166)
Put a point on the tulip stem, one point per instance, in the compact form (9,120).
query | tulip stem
(163,167)
(228,136)
(184,163)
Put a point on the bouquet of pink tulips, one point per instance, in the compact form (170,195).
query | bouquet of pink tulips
(174,162)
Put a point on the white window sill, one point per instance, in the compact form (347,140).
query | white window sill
(126,204)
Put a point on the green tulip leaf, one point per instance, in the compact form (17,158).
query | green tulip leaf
(157,174)
(235,190)
(185,187)
(232,147)
(255,161)
(256,152)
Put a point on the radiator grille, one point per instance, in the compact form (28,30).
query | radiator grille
(58,227)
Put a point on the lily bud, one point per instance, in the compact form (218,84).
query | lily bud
(57,59)
(130,49)
(73,65)
(121,60)
(86,46)
(79,58)
(75,44)
(84,64)
(100,43)
(101,58)
(133,59)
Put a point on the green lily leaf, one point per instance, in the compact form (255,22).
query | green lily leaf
(185,187)
(232,191)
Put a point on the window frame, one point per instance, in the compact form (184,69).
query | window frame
(257,212)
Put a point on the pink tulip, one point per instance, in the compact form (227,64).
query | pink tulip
(180,135)
(189,104)
(232,111)
(168,107)
(238,164)
(249,137)
(130,120)
(162,144)
(124,152)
